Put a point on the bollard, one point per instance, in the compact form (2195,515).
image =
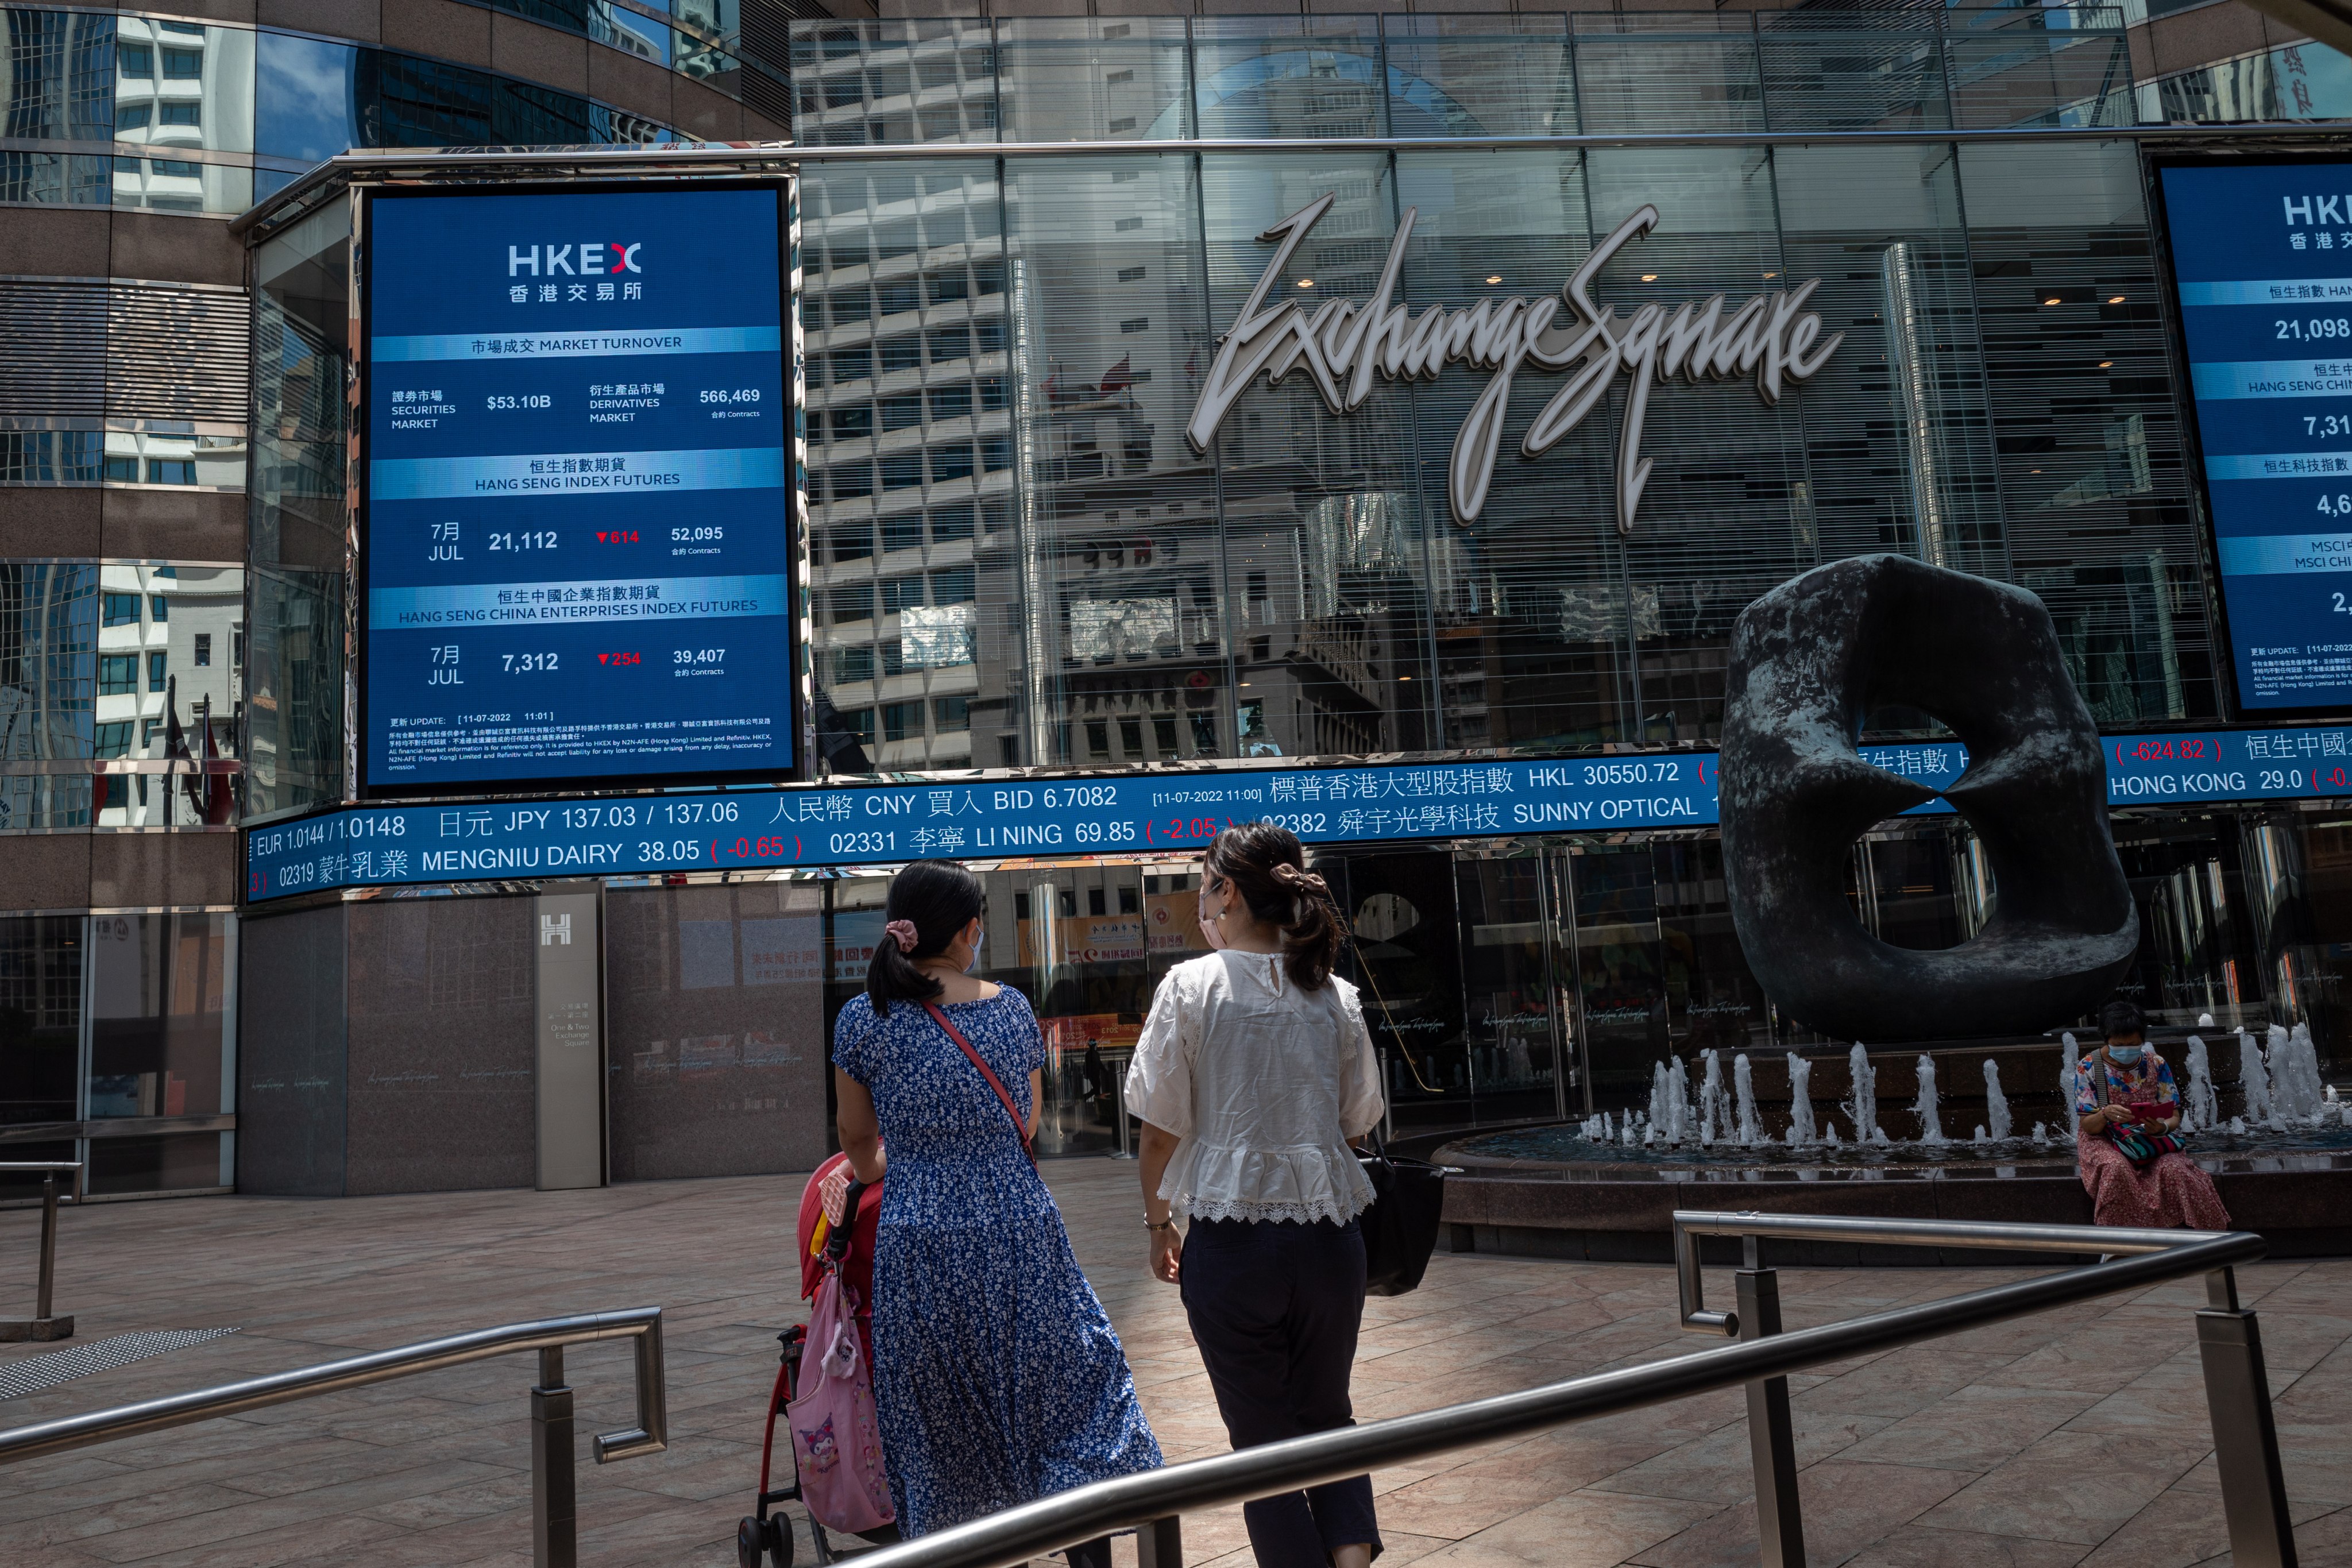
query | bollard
(1771,1438)
(554,1486)
(1161,1543)
(2245,1432)
(44,1325)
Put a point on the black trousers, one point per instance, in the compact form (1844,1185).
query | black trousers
(1275,1308)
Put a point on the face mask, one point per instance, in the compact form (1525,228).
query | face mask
(2123,1056)
(1209,932)
(978,937)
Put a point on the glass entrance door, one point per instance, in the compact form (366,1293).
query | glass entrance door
(1658,968)
(1088,944)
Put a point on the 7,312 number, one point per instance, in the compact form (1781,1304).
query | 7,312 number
(528,663)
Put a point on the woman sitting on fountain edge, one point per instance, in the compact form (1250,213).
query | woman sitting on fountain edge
(2168,1190)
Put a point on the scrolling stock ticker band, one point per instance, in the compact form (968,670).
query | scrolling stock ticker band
(785,827)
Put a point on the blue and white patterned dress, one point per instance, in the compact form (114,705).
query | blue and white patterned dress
(996,1374)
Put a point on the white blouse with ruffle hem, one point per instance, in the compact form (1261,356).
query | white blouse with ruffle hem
(1264,1084)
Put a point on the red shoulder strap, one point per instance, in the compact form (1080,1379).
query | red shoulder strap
(1020,1128)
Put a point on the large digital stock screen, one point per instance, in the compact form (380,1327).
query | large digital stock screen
(2263,259)
(576,538)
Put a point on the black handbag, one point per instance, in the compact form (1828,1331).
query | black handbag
(1401,1227)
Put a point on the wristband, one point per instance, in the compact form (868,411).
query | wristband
(1167,1223)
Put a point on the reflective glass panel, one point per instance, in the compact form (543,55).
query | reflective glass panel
(909,270)
(301,329)
(51,457)
(158,995)
(1117,528)
(2020,67)
(1528,600)
(1511,1001)
(1668,70)
(48,682)
(55,179)
(1621,972)
(182,637)
(1327,557)
(1825,71)
(2091,447)
(40,1019)
(1407,956)
(1716,1004)
(1093,78)
(1260,77)
(312,109)
(197,93)
(1923,483)
(2299,81)
(61,76)
(1701,547)
(295,666)
(1479,75)
(857,83)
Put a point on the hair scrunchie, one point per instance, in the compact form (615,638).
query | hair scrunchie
(903,933)
(1291,876)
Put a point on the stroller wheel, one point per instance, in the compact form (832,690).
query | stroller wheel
(750,1538)
(778,1532)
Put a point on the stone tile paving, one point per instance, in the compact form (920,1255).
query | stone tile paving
(2060,1441)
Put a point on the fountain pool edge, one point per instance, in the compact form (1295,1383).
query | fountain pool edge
(1604,1211)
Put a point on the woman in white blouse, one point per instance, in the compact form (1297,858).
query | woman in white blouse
(1253,1075)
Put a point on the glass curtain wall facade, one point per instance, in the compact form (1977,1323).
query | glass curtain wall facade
(118,1030)
(163,115)
(1019,560)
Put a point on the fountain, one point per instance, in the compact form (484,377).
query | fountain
(1995,1103)
(1710,1096)
(2254,1081)
(1863,1109)
(1931,1122)
(2294,1075)
(2200,1108)
(1747,1132)
(1801,1101)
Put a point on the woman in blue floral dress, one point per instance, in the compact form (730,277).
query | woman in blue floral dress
(997,1377)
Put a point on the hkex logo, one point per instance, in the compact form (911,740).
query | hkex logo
(595,260)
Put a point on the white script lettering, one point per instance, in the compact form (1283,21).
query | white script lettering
(1340,345)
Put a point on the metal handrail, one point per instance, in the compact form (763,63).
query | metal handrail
(1691,1224)
(1148,1502)
(553,1512)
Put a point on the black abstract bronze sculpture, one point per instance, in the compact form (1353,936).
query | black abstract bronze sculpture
(1809,660)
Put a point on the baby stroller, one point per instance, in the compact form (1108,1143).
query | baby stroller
(851,1247)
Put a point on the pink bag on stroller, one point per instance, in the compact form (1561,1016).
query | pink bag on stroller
(836,1439)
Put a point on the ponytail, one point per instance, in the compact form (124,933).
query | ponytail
(1266,865)
(929,902)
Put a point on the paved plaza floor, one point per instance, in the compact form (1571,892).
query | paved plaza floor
(2046,1443)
